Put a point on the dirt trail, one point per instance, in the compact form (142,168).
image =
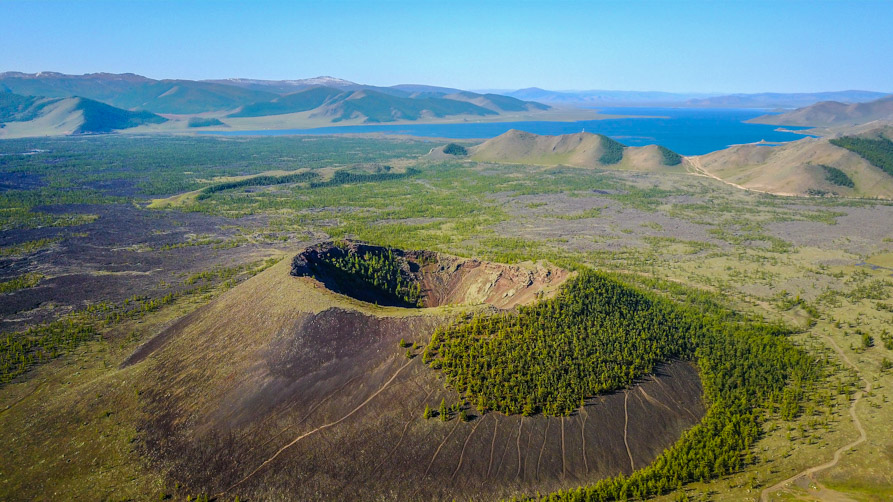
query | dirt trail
(583,417)
(464,446)
(520,425)
(632,465)
(654,400)
(492,446)
(439,447)
(321,427)
(563,454)
(306,416)
(542,448)
(825,493)
(19,400)
(399,441)
(505,449)
(699,170)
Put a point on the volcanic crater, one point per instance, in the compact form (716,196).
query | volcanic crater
(293,385)
(441,279)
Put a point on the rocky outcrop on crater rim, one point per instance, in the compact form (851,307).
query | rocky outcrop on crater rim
(442,279)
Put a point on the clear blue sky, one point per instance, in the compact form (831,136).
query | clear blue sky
(715,46)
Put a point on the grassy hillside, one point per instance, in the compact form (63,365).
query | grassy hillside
(14,107)
(847,166)
(30,115)
(375,107)
(832,113)
(877,151)
(378,107)
(291,103)
(509,103)
(100,117)
(497,102)
(579,150)
(521,147)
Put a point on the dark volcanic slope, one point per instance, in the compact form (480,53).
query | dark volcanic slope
(282,390)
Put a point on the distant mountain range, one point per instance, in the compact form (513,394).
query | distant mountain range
(34,104)
(833,113)
(602,97)
(690,100)
(134,92)
(253,98)
(291,86)
(55,103)
(784,100)
(374,106)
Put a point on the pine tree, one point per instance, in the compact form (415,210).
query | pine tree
(444,414)
(428,412)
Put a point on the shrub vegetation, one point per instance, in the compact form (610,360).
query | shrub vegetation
(381,271)
(599,334)
(595,336)
(257,181)
(613,151)
(838,177)
(669,157)
(454,149)
(204,122)
(879,152)
(21,282)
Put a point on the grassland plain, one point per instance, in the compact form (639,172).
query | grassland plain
(819,264)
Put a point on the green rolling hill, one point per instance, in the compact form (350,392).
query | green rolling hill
(857,164)
(584,150)
(375,106)
(26,115)
(378,107)
(100,117)
(301,101)
(14,107)
(497,102)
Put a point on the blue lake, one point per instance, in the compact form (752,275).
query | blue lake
(683,130)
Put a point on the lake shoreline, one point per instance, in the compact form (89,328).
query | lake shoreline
(684,130)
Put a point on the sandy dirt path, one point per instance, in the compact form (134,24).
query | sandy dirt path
(825,493)
(699,170)
(632,465)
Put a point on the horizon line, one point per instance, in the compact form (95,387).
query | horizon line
(472,89)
